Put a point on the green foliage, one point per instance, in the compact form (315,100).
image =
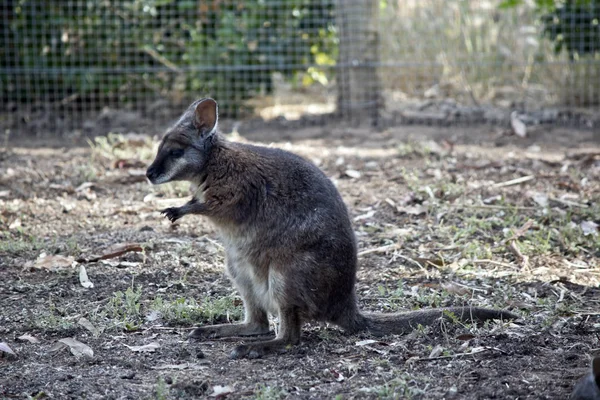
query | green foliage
(124,307)
(263,392)
(184,311)
(20,244)
(572,25)
(107,50)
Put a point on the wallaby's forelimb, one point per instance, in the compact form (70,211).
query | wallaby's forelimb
(191,207)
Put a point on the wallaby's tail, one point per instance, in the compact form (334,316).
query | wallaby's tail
(401,323)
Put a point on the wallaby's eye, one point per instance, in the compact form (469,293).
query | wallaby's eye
(176,153)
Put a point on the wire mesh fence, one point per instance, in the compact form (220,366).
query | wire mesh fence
(133,64)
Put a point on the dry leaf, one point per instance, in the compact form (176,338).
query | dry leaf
(436,352)
(88,194)
(120,264)
(412,210)
(518,127)
(84,186)
(77,348)
(28,338)
(51,262)
(150,347)
(15,224)
(476,350)
(589,228)
(365,216)
(6,349)
(353,173)
(541,199)
(492,199)
(219,390)
(366,342)
(138,172)
(83,278)
(89,326)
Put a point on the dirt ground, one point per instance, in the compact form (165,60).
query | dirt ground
(443,216)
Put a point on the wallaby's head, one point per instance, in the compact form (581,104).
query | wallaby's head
(184,149)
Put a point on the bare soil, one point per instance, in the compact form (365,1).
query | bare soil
(440,221)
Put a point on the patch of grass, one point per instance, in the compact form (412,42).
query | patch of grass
(53,318)
(482,233)
(398,299)
(397,388)
(72,248)
(161,390)
(86,173)
(263,392)
(18,246)
(419,149)
(125,308)
(183,311)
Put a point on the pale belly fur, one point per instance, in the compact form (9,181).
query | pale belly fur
(260,289)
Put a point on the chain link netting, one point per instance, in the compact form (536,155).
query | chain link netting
(99,66)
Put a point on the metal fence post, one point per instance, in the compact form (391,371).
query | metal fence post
(358,84)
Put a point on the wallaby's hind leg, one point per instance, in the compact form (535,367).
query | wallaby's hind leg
(255,323)
(289,334)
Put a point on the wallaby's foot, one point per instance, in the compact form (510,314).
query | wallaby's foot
(225,330)
(259,349)
(172,213)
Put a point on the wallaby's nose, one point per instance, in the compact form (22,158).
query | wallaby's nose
(151,173)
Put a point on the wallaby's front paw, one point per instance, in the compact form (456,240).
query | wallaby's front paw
(172,213)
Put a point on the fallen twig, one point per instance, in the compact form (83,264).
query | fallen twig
(521,231)
(381,249)
(523,259)
(475,351)
(493,207)
(568,202)
(418,264)
(512,182)
(492,262)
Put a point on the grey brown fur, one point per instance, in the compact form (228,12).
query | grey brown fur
(588,387)
(289,242)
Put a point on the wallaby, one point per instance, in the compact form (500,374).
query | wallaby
(588,387)
(289,242)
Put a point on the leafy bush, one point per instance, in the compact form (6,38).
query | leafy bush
(573,25)
(132,50)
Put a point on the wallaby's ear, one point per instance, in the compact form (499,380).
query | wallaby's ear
(206,116)
(596,370)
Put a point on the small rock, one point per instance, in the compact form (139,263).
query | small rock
(128,375)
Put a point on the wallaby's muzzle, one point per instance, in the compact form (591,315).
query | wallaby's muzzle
(151,173)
